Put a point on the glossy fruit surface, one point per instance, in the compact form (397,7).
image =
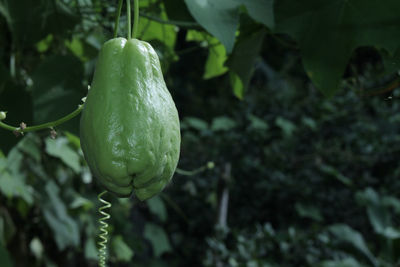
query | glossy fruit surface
(129,129)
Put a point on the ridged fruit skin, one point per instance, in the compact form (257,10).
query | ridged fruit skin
(129,128)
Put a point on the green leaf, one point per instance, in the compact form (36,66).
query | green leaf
(220,18)
(257,124)
(387,201)
(122,251)
(378,212)
(151,30)
(57,81)
(30,145)
(286,126)
(73,139)
(215,62)
(309,122)
(12,180)
(222,123)
(158,239)
(44,44)
(260,10)
(15,186)
(197,36)
(90,249)
(237,85)
(157,207)
(308,212)
(14,161)
(346,234)
(81,202)
(336,174)
(82,49)
(196,123)
(59,148)
(328,32)
(3,167)
(245,54)
(65,229)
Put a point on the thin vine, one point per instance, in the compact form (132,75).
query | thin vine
(103,230)
(48,125)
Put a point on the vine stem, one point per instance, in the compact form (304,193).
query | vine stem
(128,15)
(117,18)
(135,18)
(210,165)
(44,125)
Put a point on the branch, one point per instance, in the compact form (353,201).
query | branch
(24,129)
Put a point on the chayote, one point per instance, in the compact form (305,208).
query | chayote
(129,129)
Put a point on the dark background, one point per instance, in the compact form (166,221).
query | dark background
(311,180)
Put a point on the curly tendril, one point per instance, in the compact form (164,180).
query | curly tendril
(103,230)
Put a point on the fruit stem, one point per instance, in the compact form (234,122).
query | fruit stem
(128,15)
(117,18)
(135,18)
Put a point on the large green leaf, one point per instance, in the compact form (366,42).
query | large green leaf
(260,10)
(237,85)
(328,32)
(379,213)
(215,62)
(220,18)
(90,249)
(59,148)
(65,229)
(12,179)
(223,123)
(30,145)
(157,207)
(245,54)
(346,234)
(159,240)
(122,251)
(152,30)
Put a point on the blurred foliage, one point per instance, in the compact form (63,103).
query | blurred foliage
(303,180)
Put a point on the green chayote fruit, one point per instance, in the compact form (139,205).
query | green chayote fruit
(129,129)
